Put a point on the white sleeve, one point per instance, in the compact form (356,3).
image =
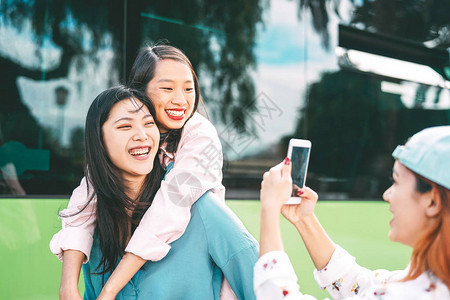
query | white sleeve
(274,278)
(77,226)
(344,278)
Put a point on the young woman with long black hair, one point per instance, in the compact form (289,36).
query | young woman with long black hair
(188,140)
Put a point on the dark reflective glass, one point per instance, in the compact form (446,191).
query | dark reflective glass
(55,57)
(268,72)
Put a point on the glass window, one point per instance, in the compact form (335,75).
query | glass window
(355,77)
(55,57)
(291,70)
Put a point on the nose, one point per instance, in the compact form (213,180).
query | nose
(140,134)
(179,97)
(386,194)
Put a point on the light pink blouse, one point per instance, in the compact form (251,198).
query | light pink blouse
(197,169)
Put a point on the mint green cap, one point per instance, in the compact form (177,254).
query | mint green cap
(428,154)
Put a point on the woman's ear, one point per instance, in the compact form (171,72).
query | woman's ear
(433,207)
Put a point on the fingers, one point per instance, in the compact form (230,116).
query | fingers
(282,171)
(308,193)
(286,168)
(274,172)
(276,184)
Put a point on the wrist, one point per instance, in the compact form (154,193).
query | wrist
(108,292)
(270,208)
(305,222)
(270,212)
(270,235)
(66,292)
(68,286)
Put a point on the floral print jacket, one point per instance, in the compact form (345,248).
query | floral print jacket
(274,278)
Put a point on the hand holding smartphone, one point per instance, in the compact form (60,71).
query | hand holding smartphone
(298,153)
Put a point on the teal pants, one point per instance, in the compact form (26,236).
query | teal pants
(215,244)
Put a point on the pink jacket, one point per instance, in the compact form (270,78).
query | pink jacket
(197,169)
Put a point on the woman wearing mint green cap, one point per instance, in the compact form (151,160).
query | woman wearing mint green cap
(419,200)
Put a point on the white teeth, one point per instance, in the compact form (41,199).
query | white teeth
(175,113)
(140,151)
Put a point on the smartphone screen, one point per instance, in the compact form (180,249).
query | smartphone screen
(299,160)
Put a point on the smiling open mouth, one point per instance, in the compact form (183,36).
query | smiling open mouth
(139,151)
(175,113)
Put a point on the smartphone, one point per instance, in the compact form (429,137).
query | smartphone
(298,153)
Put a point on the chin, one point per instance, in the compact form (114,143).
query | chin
(144,172)
(148,171)
(391,236)
(175,126)
(397,239)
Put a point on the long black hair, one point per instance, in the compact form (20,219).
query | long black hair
(113,224)
(143,71)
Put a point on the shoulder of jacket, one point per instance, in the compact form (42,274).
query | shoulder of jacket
(198,121)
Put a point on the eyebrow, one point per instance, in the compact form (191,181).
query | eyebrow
(170,80)
(131,119)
